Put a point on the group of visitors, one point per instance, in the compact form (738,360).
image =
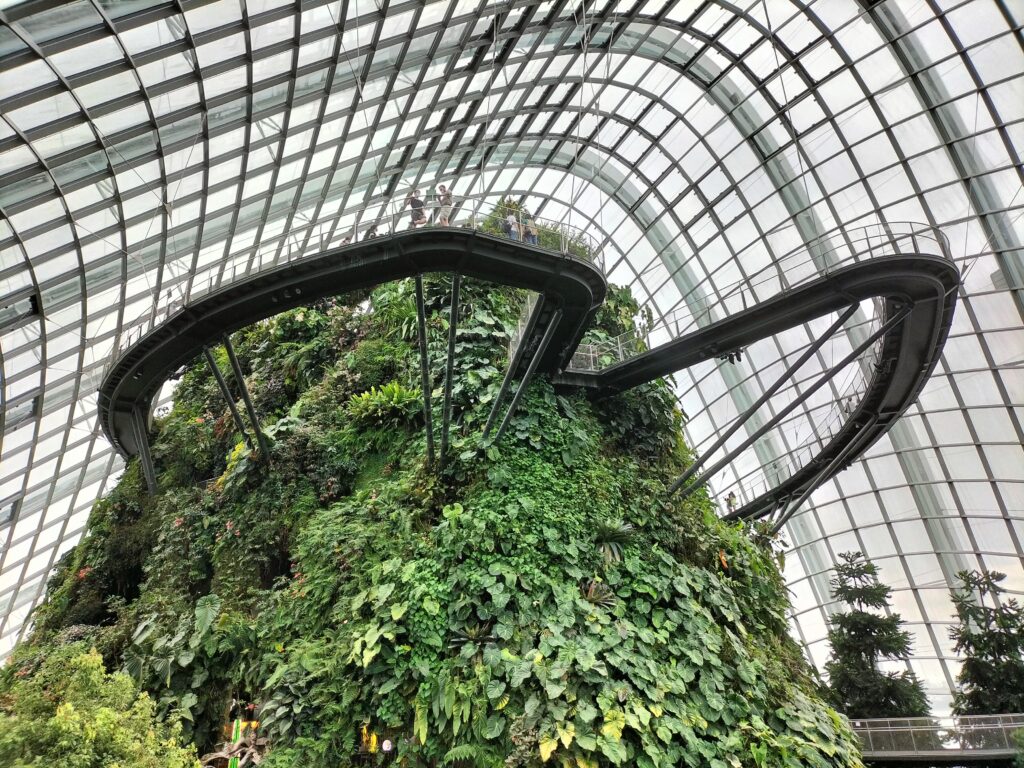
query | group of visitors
(517,225)
(521,227)
(418,208)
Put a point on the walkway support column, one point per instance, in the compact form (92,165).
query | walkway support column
(239,424)
(261,439)
(453,324)
(768,393)
(425,383)
(556,318)
(513,365)
(145,457)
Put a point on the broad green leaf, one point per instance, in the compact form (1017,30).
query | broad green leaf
(207,608)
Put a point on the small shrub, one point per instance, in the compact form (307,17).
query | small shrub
(392,405)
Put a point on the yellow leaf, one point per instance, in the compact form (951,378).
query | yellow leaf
(547,747)
(586,762)
(566,734)
(656,710)
(614,722)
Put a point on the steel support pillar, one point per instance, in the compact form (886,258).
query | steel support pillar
(425,383)
(513,366)
(534,362)
(764,398)
(453,324)
(261,439)
(227,396)
(771,423)
(145,457)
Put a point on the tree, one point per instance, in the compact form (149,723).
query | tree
(860,639)
(990,637)
(66,710)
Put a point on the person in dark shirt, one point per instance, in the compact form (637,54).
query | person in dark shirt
(415,202)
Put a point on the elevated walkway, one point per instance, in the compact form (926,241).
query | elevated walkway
(914,287)
(977,740)
(573,286)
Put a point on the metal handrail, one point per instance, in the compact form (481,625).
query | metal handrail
(375,220)
(810,261)
(935,736)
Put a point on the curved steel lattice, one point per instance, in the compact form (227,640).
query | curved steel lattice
(145,144)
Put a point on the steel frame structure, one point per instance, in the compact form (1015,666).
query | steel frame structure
(140,141)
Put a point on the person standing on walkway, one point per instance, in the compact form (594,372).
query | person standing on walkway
(529,229)
(415,202)
(444,202)
(512,226)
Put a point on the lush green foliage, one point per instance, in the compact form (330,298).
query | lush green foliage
(990,637)
(860,639)
(539,600)
(64,709)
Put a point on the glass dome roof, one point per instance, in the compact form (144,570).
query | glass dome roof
(143,143)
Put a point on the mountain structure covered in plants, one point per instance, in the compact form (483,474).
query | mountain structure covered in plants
(540,599)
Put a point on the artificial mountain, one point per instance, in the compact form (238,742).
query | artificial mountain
(537,601)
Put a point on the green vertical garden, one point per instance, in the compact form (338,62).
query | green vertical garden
(535,601)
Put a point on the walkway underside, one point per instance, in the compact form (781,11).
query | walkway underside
(921,287)
(910,351)
(574,286)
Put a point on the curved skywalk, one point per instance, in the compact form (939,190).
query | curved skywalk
(144,143)
(917,292)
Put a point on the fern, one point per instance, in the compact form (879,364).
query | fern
(463,752)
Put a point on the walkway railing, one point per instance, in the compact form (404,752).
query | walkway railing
(945,738)
(808,262)
(376,220)
(768,476)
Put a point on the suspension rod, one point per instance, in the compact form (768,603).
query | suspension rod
(261,439)
(453,324)
(425,384)
(822,381)
(764,398)
(227,396)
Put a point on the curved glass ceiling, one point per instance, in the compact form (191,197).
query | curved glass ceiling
(143,143)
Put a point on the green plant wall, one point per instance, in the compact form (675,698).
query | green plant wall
(538,601)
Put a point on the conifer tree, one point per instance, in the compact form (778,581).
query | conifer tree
(861,638)
(990,637)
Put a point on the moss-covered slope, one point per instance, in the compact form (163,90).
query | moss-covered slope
(536,601)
